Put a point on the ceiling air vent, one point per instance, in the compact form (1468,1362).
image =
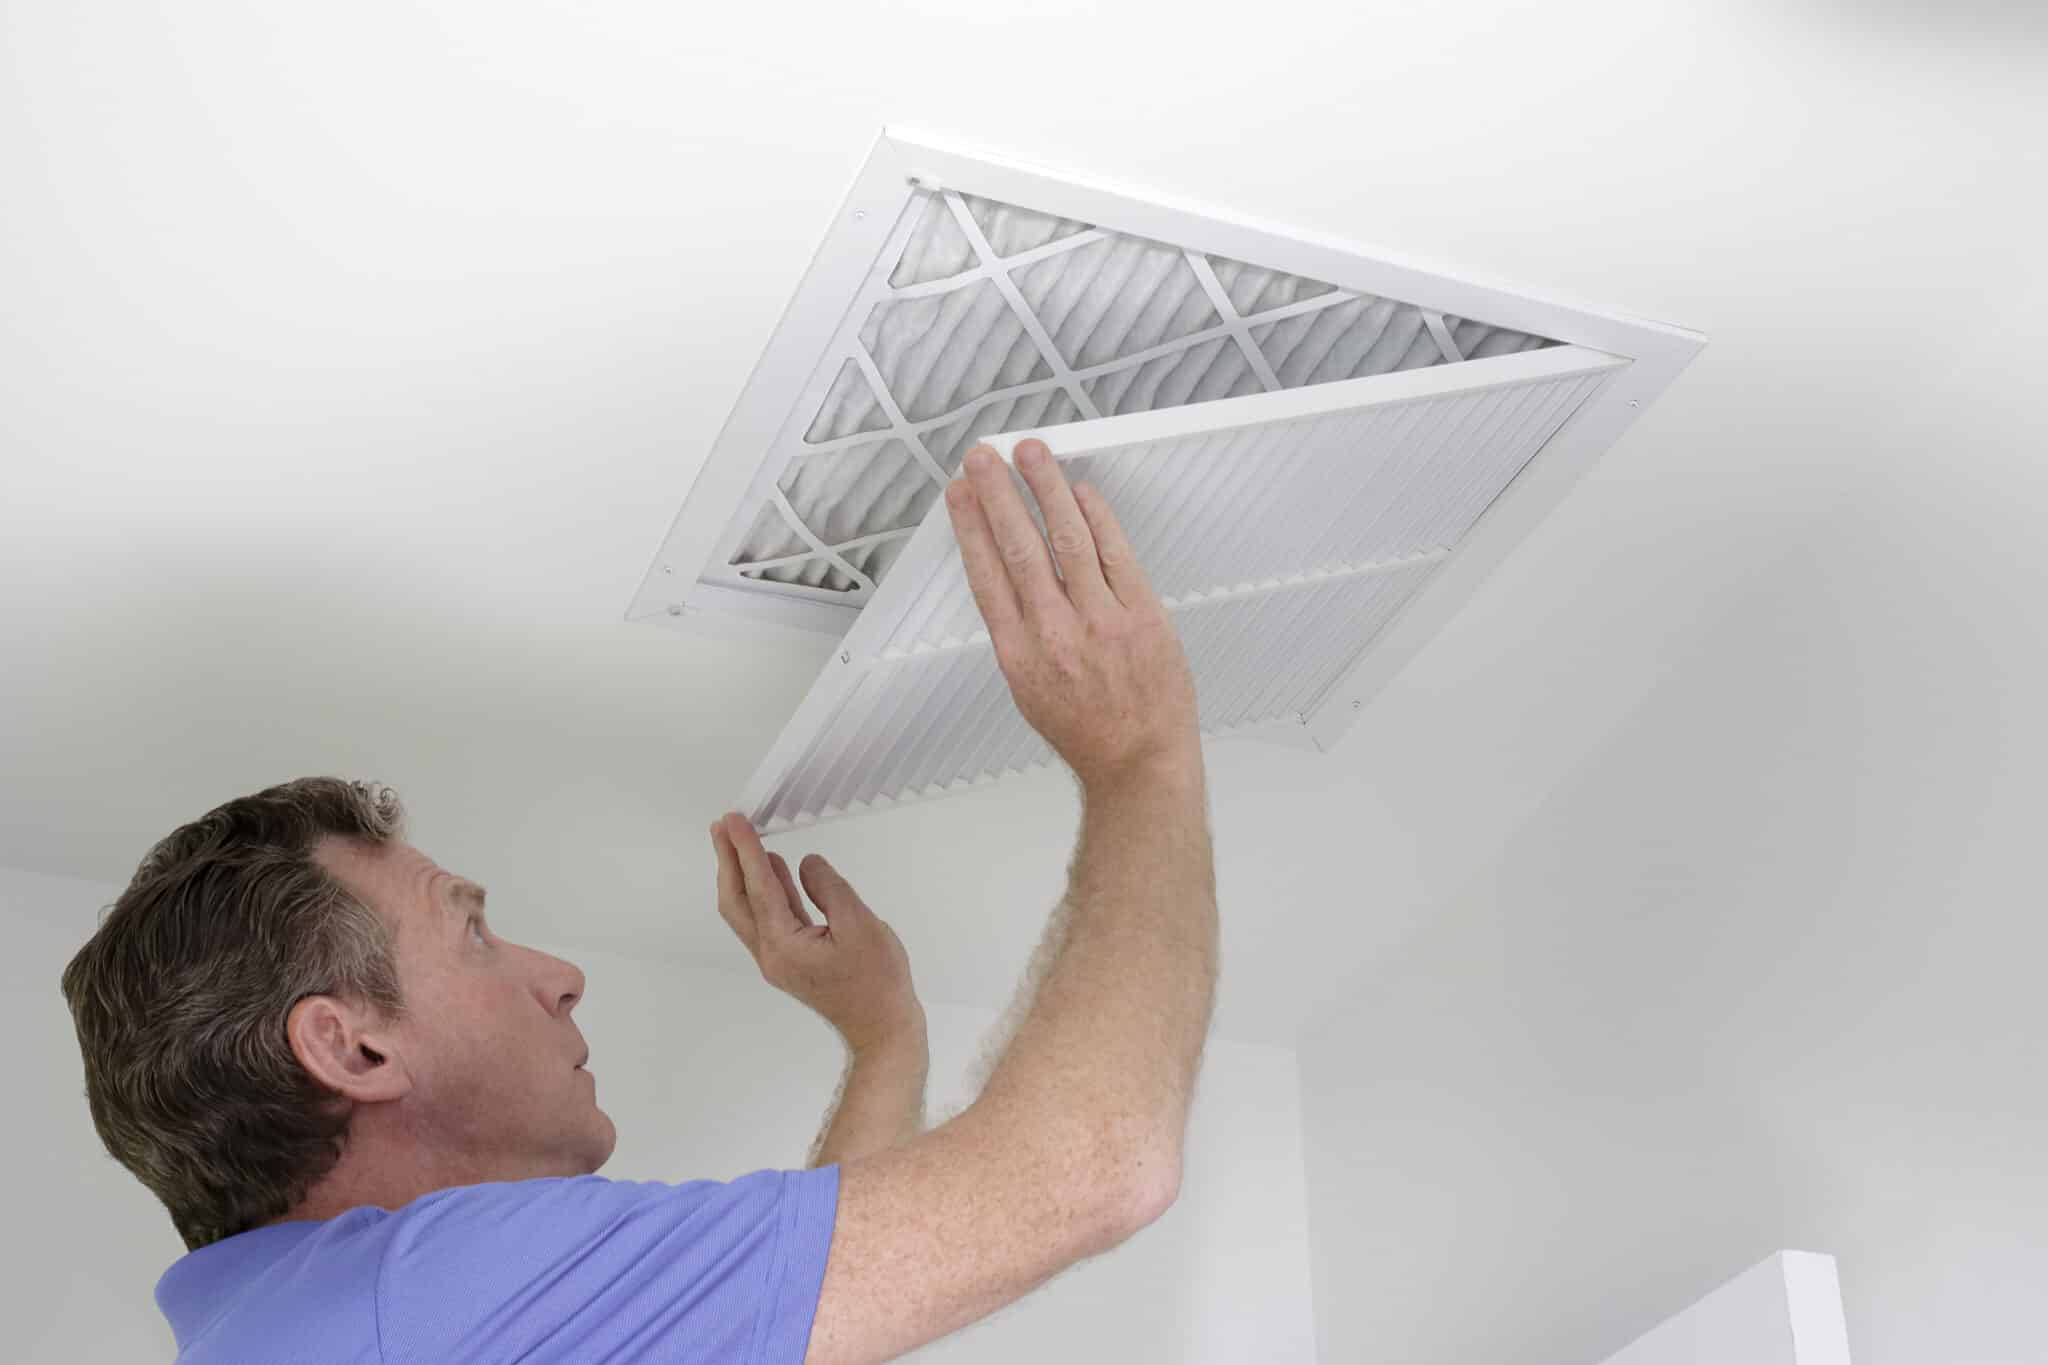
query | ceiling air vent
(1318,453)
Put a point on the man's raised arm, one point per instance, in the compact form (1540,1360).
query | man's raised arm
(1076,1140)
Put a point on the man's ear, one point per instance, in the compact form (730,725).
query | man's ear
(346,1048)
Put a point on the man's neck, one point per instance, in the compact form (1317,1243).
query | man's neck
(369,1177)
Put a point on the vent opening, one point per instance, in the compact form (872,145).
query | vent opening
(984,317)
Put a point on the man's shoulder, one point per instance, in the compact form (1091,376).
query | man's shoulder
(567,1196)
(606,1263)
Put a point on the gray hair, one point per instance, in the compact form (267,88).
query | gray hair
(182,995)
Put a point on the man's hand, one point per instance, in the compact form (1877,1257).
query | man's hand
(852,970)
(1090,651)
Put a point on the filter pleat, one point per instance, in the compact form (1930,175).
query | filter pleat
(1128,318)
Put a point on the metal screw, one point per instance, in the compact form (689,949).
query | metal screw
(845,656)
(859,214)
(674,609)
(668,568)
(1356,704)
(1633,403)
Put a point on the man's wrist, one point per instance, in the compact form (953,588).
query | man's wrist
(906,1040)
(1168,773)
(881,1097)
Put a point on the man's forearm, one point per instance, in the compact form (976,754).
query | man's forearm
(1128,970)
(879,1103)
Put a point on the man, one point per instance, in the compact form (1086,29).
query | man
(368,1117)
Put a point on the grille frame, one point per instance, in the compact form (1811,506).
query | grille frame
(784,390)
(684,581)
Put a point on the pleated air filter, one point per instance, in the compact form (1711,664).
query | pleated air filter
(1317,454)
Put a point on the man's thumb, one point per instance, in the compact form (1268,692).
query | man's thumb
(833,893)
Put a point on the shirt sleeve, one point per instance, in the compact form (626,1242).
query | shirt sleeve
(585,1268)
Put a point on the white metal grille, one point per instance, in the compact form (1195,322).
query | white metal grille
(1284,532)
(981,317)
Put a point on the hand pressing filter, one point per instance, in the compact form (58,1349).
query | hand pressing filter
(852,970)
(1090,653)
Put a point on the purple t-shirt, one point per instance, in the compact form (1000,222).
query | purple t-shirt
(565,1269)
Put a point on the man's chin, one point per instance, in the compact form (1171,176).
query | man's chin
(605,1140)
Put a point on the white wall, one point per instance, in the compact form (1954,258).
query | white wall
(1762,971)
(1784,1310)
(707,1075)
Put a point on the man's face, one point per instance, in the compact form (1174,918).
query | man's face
(487,1039)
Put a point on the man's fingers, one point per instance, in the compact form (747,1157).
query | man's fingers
(796,900)
(1018,542)
(766,901)
(1073,541)
(731,890)
(1120,568)
(985,572)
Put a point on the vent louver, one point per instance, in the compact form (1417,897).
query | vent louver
(1283,532)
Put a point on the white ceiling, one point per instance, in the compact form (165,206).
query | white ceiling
(355,360)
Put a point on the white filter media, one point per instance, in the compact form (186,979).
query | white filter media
(984,317)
